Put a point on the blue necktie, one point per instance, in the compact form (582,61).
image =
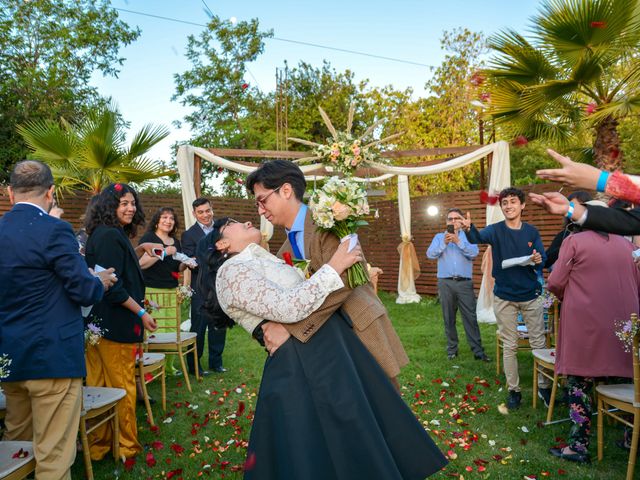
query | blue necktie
(294,245)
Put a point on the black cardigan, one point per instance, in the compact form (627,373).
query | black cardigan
(110,247)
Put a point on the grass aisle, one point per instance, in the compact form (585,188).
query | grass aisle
(204,434)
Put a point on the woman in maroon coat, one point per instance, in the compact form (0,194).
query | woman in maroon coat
(598,283)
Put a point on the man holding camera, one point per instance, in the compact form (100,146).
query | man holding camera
(455,288)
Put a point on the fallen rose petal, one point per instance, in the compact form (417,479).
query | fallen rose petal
(129,463)
(177,448)
(157,445)
(150,460)
(20,454)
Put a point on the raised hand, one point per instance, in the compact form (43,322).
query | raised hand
(465,223)
(572,173)
(552,202)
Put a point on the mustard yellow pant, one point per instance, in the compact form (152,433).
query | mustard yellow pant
(47,413)
(112,364)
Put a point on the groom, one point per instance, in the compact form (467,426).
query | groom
(279,187)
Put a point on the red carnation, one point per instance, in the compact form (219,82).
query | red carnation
(590,108)
(520,141)
(488,199)
(286,256)
(117,187)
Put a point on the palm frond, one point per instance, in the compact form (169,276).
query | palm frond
(49,141)
(629,105)
(146,138)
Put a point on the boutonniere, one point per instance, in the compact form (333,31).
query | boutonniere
(300,264)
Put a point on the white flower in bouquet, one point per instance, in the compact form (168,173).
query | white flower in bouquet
(5,363)
(338,207)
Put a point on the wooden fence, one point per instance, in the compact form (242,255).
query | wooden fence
(379,240)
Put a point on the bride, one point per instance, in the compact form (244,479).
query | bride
(325,410)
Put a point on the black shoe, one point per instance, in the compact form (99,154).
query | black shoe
(483,357)
(544,394)
(572,457)
(451,356)
(514,400)
(219,369)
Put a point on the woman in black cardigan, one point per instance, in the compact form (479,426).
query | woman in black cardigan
(113,220)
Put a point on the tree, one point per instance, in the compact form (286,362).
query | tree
(48,51)
(92,154)
(579,70)
(446,118)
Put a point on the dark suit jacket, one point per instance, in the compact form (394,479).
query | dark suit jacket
(613,220)
(110,247)
(43,283)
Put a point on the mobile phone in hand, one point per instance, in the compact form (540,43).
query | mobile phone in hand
(450,229)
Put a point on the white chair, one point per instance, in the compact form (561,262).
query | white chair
(16,468)
(101,404)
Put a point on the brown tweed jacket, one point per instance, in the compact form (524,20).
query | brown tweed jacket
(369,316)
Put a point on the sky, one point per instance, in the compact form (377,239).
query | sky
(408,30)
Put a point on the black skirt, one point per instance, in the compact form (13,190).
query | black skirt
(326,410)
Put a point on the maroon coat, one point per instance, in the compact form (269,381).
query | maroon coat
(598,283)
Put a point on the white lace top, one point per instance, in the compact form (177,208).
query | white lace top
(255,285)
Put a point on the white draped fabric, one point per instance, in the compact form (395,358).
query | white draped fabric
(500,178)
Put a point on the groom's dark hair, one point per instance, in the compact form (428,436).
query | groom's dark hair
(275,173)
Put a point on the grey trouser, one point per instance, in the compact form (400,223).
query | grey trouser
(456,294)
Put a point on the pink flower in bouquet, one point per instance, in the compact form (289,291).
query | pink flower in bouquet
(340,211)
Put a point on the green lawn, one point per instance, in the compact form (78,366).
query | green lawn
(205,433)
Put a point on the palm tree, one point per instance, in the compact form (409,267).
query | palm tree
(580,70)
(92,154)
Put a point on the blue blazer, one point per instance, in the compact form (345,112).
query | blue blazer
(43,283)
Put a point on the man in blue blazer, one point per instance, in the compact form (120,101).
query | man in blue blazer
(43,283)
(190,238)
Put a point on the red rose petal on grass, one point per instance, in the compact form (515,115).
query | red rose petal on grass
(250,462)
(598,24)
(562,472)
(173,473)
(150,459)
(155,429)
(468,468)
(157,445)
(240,410)
(129,463)
(482,468)
(177,448)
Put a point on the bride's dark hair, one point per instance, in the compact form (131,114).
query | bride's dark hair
(210,259)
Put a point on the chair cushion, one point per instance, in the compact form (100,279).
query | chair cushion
(96,397)
(622,392)
(151,358)
(547,355)
(170,337)
(8,464)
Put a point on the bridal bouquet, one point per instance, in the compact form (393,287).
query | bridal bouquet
(338,207)
(5,362)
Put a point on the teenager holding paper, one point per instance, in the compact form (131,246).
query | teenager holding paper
(517,289)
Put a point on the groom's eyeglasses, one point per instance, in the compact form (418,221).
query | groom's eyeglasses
(261,201)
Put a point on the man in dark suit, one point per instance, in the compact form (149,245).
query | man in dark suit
(190,238)
(43,283)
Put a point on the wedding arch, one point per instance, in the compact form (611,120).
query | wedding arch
(189,159)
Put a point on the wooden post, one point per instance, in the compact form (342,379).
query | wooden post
(197,175)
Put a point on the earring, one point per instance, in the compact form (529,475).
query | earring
(225,255)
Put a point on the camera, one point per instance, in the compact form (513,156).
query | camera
(450,229)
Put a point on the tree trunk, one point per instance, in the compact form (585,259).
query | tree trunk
(606,146)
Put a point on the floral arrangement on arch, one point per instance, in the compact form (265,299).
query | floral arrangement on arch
(184,293)
(343,151)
